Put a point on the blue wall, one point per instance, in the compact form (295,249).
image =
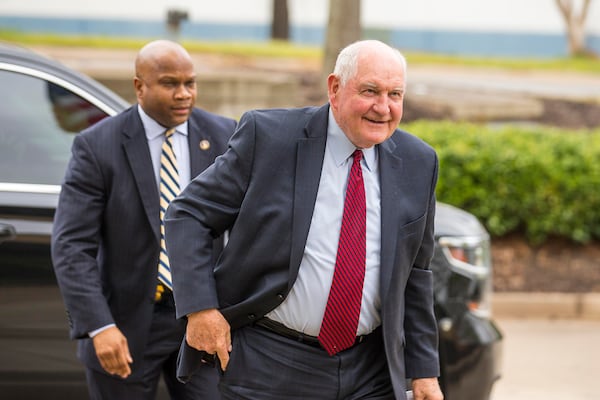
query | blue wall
(449,42)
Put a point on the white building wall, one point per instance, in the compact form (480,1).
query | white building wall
(527,16)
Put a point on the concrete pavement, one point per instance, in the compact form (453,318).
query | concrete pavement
(548,360)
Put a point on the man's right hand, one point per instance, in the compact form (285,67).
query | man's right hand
(112,351)
(209,331)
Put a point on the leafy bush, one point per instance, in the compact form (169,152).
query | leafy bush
(539,181)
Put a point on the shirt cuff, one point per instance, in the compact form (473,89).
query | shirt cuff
(97,331)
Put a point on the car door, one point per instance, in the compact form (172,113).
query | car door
(40,114)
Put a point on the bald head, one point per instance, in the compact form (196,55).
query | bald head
(165,82)
(156,55)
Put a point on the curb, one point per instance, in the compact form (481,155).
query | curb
(520,305)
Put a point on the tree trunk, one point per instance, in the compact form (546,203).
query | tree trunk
(343,28)
(577,40)
(280,25)
(575,25)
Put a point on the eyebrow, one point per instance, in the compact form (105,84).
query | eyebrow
(371,85)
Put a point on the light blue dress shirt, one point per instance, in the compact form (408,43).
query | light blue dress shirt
(155,136)
(304,307)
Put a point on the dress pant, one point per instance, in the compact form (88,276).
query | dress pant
(267,366)
(160,358)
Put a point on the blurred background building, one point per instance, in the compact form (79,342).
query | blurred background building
(516,28)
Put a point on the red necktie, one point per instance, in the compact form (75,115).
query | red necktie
(338,329)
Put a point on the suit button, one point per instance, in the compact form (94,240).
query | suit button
(280,296)
(251,317)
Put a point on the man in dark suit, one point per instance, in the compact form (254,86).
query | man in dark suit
(264,307)
(107,231)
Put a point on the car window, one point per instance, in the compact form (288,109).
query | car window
(38,120)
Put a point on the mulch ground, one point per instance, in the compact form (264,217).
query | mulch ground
(556,266)
(557,113)
(570,114)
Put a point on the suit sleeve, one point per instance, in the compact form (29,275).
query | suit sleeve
(75,241)
(204,210)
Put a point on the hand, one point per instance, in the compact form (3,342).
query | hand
(426,389)
(209,331)
(113,352)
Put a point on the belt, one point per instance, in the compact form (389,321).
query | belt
(282,330)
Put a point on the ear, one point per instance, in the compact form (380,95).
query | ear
(138,85)
(333,86)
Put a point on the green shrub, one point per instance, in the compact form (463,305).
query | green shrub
(539,181)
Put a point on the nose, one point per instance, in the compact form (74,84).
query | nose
(182,92)
(381,105)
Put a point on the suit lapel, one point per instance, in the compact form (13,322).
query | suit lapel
(202,151)
(309,162)
(390,170)
(310,154)
(140,162)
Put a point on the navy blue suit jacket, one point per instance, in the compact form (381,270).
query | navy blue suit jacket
(105,242)
(263,190)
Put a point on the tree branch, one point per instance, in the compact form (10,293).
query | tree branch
(584,11)
(566,8)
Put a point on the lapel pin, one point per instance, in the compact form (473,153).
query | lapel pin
(204,144)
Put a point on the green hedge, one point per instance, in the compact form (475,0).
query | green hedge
(538,181)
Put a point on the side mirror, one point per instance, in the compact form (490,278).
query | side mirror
(7,232)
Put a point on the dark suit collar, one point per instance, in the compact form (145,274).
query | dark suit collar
(317,125)
(136,149)
(309,162)
(138,155)
(310,153)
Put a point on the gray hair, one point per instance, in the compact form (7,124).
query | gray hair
(346,64)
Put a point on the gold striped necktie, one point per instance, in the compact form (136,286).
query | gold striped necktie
(169,189)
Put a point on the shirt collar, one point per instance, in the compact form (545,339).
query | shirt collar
(154,129)
(342,148)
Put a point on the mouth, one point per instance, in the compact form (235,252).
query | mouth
(376,122)
(180,110)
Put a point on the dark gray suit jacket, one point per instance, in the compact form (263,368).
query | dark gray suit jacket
(263,190)
(105,241)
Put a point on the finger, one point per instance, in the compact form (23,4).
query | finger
(108,360)
(228,341)
(126,354)
(111,362)
(117,361)
(223,355)
(125,359)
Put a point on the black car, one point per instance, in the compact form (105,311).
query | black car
(44,105)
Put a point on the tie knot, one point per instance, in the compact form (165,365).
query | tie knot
(357,155)
(169,132)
